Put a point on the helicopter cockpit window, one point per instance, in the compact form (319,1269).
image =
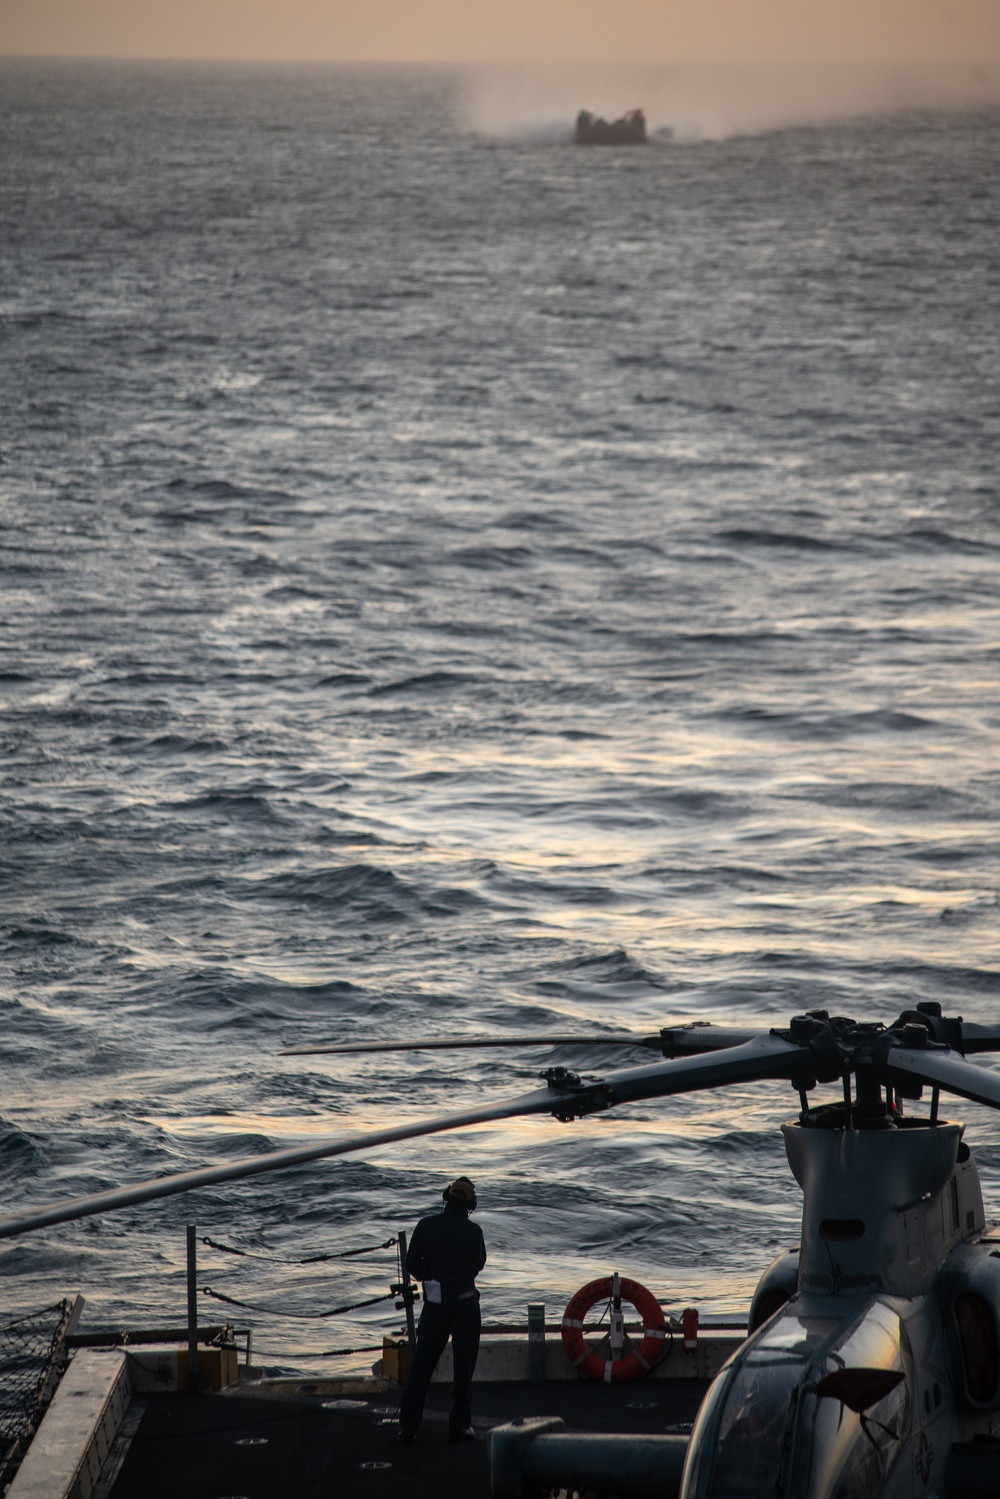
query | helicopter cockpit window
(794,1333)
(774,1428)
(751,1436)
(840,1453)
(750,1442)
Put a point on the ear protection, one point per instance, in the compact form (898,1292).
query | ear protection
(462,1193)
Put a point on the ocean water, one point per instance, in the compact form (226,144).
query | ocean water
(451,581)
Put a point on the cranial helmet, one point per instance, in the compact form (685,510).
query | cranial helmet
(462,1193)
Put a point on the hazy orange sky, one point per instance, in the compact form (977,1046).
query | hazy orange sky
(667,31)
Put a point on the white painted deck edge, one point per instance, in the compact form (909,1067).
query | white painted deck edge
(70,1446)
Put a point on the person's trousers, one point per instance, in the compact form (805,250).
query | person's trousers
(439,1321)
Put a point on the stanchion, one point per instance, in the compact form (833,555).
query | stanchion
(407,1292)
(536,1342)
(192,1301)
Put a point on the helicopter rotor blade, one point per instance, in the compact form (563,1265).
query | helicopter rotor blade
(942,1069)
(698,1036)
(454,1043)
(538,1102)
(978,1038)
(566,1096)
(691,1039)
(766,1056)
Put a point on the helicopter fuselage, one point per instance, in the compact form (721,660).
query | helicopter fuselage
(873,1348)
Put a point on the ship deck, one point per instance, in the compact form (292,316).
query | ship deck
(316,1444)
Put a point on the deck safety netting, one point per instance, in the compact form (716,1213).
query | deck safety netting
(31,1351)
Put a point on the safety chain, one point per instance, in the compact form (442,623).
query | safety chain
(293,1353)
(312,1259)
(343,1352)
(271,1311)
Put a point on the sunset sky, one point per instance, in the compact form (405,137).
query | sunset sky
(675,31)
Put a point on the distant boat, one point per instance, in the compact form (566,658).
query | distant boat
(630,130)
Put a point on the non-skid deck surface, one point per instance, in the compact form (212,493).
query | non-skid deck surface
(321,1447)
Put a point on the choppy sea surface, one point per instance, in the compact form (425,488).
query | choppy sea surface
(453,581)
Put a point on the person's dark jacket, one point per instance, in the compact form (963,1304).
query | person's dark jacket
(447,1247)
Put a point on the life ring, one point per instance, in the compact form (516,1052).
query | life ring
(614,1370)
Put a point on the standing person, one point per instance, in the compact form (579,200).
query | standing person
(447,1252)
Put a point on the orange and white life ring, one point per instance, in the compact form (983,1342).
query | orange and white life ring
(653,1331)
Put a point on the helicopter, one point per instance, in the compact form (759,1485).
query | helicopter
(872,1361)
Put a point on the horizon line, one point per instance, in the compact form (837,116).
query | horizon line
(975,64)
